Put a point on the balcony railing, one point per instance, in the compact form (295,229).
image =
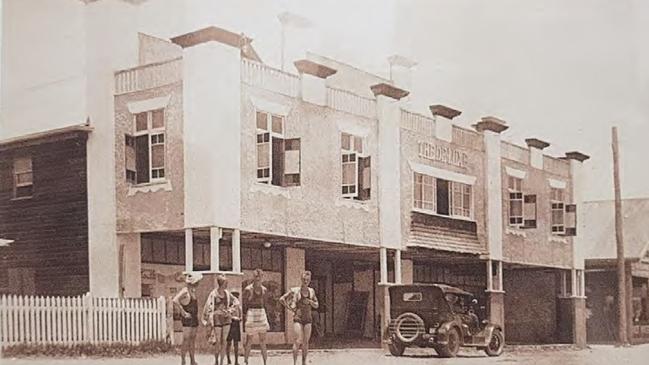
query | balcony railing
(351,103)
(417,123)
(556,166)
(513,152)
(148,76)
(467,138)
(257,74)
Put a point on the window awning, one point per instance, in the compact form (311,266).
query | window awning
(442,174)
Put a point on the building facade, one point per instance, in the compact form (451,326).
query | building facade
(203,158)
(601,270)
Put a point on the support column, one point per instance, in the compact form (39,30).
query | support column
(294,265)
(132,275)
(189,250)
(215,238)
(397,267)
(236,251)
(383,265)
(495,294)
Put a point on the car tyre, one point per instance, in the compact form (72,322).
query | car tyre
(496,343)
(396,348)
(452,347)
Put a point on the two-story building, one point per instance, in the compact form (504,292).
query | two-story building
(248,166)
(215,162)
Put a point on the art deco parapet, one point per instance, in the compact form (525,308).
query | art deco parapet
(491,124)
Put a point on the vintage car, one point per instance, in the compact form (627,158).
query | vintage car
(439,316)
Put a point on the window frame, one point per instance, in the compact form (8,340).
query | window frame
(150,131)
(347,153)
(15,174)
(515,194)
(558,204)
(267,180)
(452,208)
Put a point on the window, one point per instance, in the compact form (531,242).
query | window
(278,158)
(515,201)
(23,177)
(145,150)
(443,197)
(557,210)
(412,297)
(356,168)
(461,199)
(425,192)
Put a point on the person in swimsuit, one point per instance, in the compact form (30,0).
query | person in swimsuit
(256,318)
(217,313)
(186,303)
(235,332)
(301,301)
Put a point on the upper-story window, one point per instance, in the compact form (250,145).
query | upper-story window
(557,210)
(145,149)
(23,177)
(515,189)
(444,197)
(356,178)
(278,158)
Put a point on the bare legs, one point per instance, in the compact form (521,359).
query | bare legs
(220,345)
(302,337)
(236,352)
(189,338)
(262,345)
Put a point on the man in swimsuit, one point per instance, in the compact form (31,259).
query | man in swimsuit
(256,318)
(186,303)
(301,301)
(217,313)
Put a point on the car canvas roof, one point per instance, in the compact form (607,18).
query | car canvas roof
(443,287)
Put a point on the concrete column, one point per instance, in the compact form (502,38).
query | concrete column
(215,237)
(443,117)
(189,250)
(312,81)
(132,276)
(294,265)
(383,265)
(576,171)
(389,158)
(490,276)
(536,147)
(491,128)
(211,113)
(495,295)
(398,279)
(110,44)
(236,251)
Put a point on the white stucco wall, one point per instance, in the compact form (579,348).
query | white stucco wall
(212,132)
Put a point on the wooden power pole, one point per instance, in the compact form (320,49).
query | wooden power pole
(619,239)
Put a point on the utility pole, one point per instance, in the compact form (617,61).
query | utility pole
(619,239)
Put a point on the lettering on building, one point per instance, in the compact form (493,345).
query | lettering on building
(448,155)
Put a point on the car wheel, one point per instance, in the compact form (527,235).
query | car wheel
(452,347)
(496,344)
(396,348)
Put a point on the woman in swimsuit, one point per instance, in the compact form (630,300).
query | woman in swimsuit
(218,314)
(187,304)
(301,301)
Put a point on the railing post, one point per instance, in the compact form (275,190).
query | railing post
(89,316)
(162,312)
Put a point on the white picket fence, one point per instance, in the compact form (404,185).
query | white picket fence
(80,319)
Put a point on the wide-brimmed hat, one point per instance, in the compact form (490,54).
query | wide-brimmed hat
(193,277)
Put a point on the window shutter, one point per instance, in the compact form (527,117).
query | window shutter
(129,155)
(142,158)
(292,162)
(529,211)
(278,161)
(571,220)
(364,178)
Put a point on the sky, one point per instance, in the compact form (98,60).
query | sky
(561,71)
